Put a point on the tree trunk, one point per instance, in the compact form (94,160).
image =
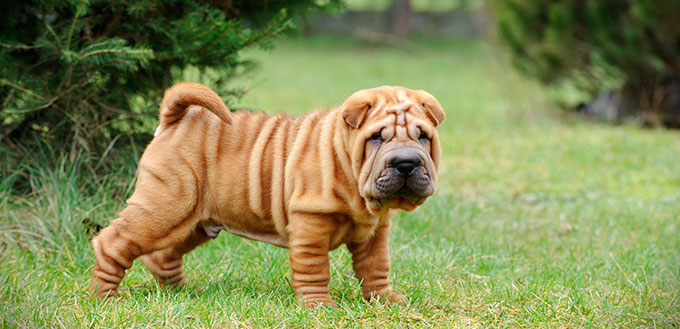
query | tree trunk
(400,18)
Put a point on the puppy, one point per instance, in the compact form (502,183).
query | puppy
(309,184)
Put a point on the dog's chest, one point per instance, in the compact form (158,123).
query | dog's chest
(353,231)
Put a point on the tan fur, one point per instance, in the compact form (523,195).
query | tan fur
(305,183)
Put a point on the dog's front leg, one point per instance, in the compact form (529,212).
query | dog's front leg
(309,241)
(371,262)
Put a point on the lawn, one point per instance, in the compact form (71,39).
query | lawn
(540,219)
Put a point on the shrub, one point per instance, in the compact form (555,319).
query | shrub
(90,71)
(599,46)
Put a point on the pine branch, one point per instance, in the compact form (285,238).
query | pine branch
(73,24)
(18,46)
(17,87)
(78,60)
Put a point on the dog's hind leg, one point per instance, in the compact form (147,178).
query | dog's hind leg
(163,212)
(113,254)
(167,264)
(115,249)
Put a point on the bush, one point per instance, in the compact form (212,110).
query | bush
(89,71)
(598,46)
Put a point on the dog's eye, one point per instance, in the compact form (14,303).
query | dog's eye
(377,137)
(423,137)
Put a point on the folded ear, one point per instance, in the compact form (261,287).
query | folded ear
(433,109)
(356,107)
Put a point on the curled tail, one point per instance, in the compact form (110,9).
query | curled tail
(179,97)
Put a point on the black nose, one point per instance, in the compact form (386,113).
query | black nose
(405,161)
(405,169)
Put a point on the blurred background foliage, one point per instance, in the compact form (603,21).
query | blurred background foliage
(82,74)
(87,75)
(630,47)
(416,5)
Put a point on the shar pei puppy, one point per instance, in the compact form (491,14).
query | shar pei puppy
(308,183)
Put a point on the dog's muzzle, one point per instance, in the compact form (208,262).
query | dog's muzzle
(404,175)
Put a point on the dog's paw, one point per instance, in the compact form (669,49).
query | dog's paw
(102,291)
(390,296)
(313,301)
(395,298)
(169,272)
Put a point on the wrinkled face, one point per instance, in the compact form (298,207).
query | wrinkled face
(396,150)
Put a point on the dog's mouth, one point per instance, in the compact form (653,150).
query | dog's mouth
(394,190)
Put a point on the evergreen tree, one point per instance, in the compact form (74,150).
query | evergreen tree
(598,46)
(91,70)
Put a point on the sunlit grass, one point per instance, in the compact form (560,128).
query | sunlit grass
(540,220)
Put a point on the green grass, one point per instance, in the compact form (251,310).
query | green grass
(540,220)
